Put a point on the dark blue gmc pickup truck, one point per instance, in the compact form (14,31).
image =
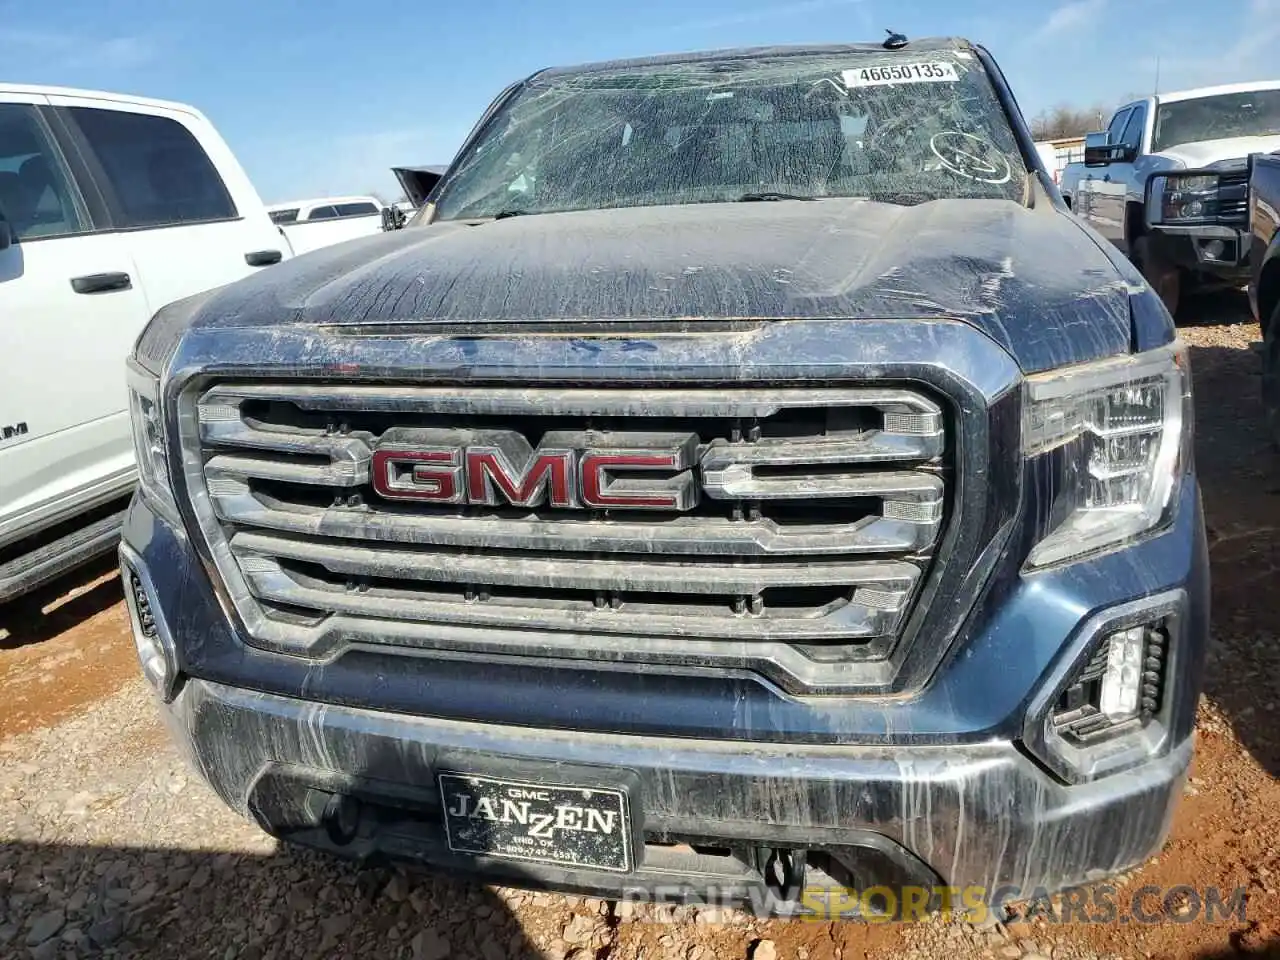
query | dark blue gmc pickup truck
(745,475)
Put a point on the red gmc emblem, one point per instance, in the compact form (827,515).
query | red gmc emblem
(622,472)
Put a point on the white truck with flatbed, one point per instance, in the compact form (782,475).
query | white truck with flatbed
(111,207)
(1214,129)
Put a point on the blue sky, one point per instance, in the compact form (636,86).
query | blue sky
(323,96)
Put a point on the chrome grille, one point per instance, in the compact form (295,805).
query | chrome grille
(818,515)
(1233,196)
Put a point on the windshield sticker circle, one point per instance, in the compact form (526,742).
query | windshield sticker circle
(970,157)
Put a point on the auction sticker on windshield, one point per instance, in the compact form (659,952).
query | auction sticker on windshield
(937,72)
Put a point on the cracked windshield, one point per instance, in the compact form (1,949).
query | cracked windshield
(852,125)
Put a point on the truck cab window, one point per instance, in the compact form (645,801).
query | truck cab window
(158,172)
(1132,136)
(1115,130)
(35,193)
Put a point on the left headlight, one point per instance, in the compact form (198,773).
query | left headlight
(1111,440)
(149,444)
(1186,198)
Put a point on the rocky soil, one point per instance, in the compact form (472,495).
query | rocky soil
(110,846)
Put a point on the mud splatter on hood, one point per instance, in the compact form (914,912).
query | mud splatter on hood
(1033,280)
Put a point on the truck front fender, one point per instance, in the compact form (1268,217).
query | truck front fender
(1265,290)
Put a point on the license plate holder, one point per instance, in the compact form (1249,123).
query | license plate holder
(557,824)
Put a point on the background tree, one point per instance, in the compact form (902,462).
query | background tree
(1064,121)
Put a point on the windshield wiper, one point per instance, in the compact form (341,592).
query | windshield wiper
(773,195)
(901,198)
(504,214)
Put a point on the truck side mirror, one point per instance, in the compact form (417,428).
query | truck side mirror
(1100,151)
(1096,152)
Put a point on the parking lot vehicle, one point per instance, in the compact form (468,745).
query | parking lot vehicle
(312,224)
(744,478)
(1215,128)
(110,207)
(1221,209)
(1264,285)
(1069,181)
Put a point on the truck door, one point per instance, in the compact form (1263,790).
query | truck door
(70,308)
(1117,185)
(1095,185)
(191,219)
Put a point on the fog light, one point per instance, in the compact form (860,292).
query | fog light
(1119,684)
(1122,681)
(148,636)
(1111,703)
(1214,249)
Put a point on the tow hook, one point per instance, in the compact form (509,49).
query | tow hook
(784,873)
(341,818)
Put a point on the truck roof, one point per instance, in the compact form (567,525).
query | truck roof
(747,53)
(53,91)
(1199,92)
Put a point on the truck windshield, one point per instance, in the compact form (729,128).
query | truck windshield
(1255,113)
(884,125)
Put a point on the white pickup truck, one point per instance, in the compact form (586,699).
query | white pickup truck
(1211,128)
(110,207)
(312,224)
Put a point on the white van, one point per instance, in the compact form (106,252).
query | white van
(312,224)
(110,207)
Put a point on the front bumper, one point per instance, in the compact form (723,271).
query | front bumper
(979,815)
(935,787)
(1209,251)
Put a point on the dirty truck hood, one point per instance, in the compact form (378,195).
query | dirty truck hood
(1034,281)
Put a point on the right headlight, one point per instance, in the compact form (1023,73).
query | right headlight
(1112,438)
(149,444)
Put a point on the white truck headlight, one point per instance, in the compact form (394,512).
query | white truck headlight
(149,444)
(1184,198)
(1114,436)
